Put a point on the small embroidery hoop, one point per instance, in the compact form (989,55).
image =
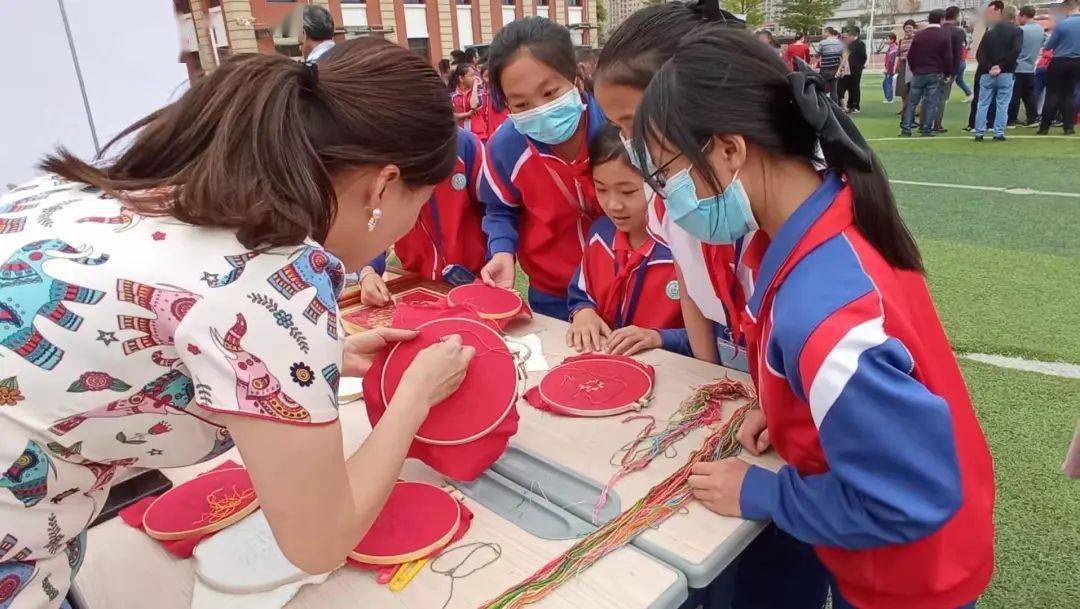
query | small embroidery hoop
(459,297)
(518,364)
(208,481)
(561,408)
(434,501)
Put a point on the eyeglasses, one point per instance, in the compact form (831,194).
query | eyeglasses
(657,181)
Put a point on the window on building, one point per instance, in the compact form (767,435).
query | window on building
(414,1)
(354,1)
(464,2)
(420,46)
(542,2)
(573,2)
(509,2)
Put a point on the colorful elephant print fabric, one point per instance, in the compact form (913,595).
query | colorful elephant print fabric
(123,339)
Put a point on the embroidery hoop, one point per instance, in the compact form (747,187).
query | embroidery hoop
(479,297)
(415,508)
(185,497)
(551,385)
(443,411)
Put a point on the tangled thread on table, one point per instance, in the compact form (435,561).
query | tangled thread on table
(224,504)
(452,572)
(703,407)
(663,500)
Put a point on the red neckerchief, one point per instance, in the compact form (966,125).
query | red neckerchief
(627,260)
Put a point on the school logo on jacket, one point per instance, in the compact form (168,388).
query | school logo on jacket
(458,181)
(672,289)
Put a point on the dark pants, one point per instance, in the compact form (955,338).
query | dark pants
(975,102)
(1023,91)
(851,86)
(834,89)
(549,304)
(925,89)
(1061,79)
(775,557)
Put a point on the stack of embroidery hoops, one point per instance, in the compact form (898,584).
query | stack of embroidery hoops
(594,385)
(201,506)
(417,522)
(465,433)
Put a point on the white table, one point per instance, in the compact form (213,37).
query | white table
(125,569)
(699,543)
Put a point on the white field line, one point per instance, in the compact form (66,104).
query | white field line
(1071,371)
(1006,190)
(916,138)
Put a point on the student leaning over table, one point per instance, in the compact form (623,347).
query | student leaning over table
(200,308)
(889,475)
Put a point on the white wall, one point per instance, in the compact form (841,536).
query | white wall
(129,54)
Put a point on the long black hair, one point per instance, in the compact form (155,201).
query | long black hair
(456,74)
(725,81)
(607,146)
(649,37)
(546,41)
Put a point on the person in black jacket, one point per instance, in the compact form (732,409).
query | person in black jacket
(851,83)
(959,40)
(991,15)
(997,55)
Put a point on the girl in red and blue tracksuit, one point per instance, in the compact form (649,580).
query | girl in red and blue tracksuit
(447,230)
(624,297)
(888,474)
(536,188)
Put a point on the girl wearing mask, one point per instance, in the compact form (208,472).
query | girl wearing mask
(888,476)
(632,54)
(172,286)
(537,188)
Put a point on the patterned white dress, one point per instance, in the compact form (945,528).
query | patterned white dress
(121,339)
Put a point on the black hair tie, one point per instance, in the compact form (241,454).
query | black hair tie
(310,78)
(811,95)
(709,9)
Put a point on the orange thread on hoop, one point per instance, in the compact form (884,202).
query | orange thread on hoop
(224,505)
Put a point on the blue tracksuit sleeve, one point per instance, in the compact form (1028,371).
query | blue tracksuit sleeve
(500,198)
(893,472)
(675,340)
(378,263)
(577,293)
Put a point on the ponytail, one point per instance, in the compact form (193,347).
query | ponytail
(252,146)
(749,91)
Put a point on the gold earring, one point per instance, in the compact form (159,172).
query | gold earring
(374,221)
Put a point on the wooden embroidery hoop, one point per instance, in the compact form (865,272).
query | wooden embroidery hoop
(432,507)
(561,405)
(436,416)
(208,482)
(478,297)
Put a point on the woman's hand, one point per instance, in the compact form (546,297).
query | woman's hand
(632,339)
(360,349)
(437,371)
(718,484)
(373,289)
(587,332)
(753,435)
(499,271)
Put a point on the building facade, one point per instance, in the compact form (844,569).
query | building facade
(618,11)
(210,30)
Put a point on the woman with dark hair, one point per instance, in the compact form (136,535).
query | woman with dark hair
(888,476)
(159,306)
(628,61)
(537,188)
(624,297)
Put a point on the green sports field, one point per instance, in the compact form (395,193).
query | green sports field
(1005,272)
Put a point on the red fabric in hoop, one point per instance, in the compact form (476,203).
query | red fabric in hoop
(132,515)
(417,520)
(464,524)
(485,401)
(184,511)
(489,302)
(594,385)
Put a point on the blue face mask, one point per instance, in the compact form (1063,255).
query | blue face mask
(720,219)
(554,122)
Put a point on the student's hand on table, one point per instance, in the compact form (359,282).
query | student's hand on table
(499,271)
(587,332)
(753,434)
(373,289)
(438,370)
(361,348)
(632,339)
(718,484)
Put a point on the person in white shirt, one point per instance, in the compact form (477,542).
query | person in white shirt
(318,35)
